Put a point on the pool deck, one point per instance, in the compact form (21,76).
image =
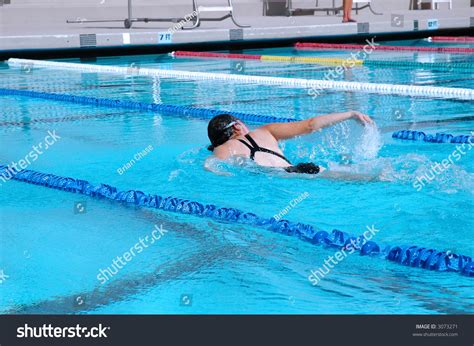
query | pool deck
(47,29)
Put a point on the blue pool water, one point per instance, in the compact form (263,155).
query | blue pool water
(54,244)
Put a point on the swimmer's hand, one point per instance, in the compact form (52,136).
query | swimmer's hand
(362,118)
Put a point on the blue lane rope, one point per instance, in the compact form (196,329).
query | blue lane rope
(62,119)
(413,256)
(202,113)
(437,138)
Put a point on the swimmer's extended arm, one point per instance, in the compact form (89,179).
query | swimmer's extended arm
(297,128)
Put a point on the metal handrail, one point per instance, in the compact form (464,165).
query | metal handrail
(128,22)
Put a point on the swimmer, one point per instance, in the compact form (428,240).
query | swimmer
(230,137)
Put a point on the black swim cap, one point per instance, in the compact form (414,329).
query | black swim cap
(220,129)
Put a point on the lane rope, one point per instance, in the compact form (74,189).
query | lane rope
(290,59)
(414,256)
(202,113)
(465,39)
(60,119)
(326,61)
(308,45)
(437,138)
(404,90)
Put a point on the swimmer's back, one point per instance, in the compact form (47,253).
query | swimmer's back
(263,138)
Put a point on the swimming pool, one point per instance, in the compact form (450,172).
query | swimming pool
(54,244)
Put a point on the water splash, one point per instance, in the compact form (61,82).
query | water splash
(369,144)
(344,143)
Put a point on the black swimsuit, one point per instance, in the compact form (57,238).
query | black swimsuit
(308,168)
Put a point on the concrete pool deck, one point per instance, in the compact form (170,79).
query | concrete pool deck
(26,25)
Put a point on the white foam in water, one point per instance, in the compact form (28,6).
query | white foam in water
(349,143)
(369,144)
(357,148)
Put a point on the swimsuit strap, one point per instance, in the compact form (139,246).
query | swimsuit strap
(252,141)
(251,148)
(254,147)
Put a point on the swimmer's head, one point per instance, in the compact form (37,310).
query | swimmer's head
(223,127)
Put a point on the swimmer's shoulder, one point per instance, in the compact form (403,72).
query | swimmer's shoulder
(222,151)
(226,150)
